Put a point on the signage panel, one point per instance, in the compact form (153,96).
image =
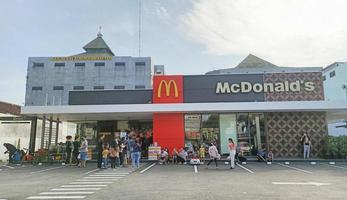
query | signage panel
(219,88)
(168,89)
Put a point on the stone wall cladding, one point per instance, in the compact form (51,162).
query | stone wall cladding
(286,128)
(315,95)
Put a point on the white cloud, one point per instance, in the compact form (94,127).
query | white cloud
(285,32)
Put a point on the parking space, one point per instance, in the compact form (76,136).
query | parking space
(154,181)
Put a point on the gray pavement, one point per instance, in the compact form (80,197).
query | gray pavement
(299,180)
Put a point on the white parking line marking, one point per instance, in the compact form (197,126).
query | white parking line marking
(250,171)
(109,179)
(104,177)
(74,189)
(78,186)
(56,197)
(90,182)
(122,173)
(107,175)
(300,183)
(60,193)
(336,166)
(94,170)
(44,170)
(195,169)
(147,168)
(298,169)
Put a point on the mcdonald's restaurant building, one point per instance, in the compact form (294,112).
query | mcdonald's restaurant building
(257,110)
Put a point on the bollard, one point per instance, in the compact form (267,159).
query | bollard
(40,164)
(63,163)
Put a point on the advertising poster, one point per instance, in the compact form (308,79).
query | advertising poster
(227,130)
(192,126)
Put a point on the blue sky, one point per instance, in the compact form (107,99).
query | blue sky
(188,37)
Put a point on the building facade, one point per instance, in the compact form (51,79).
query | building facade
(258,104)
(335,87)
(335,81)
(49,79)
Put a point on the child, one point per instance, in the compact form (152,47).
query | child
(174,156)
(113,157)
(202,153)
(105,154)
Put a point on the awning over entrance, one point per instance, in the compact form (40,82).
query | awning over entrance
(334,109)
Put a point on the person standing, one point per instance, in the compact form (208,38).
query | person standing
(68,148)
(83,152)
(76,146)
(100,147)
(306,141)
(136,153)
(214,155)
(232,152)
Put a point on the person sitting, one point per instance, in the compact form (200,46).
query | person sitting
(261,155)
(270,156)
(164,156)
(182,156)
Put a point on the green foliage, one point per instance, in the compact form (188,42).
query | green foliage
(334,147)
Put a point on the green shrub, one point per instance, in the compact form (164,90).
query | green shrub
(334,147)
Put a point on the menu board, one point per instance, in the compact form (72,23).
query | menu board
(192,126)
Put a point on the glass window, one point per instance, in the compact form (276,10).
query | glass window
(98,87)
(80,64)
(332,74)
(58,88)
(250,133)
(59,64)
(78,87)
(38,65)
(99,64)
(119,63)
(36,88)
(324,78)
(140,63)
(119,87)
(140,86)
(201,130)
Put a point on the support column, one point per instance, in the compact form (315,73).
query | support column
(57,131)
(43,132)
(50,131)
(32,140)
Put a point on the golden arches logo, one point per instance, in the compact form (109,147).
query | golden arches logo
(167,88)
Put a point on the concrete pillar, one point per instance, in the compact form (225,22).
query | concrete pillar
(43,132)
(50,131)
(257,125)
(57,131)
(32,135)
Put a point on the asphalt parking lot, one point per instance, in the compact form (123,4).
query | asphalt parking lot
(298,180)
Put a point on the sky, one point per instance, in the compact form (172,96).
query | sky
(187,36)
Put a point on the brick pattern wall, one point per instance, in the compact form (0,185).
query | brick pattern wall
(315,95)
(286,129)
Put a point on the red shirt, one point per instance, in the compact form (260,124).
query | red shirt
(232,146)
